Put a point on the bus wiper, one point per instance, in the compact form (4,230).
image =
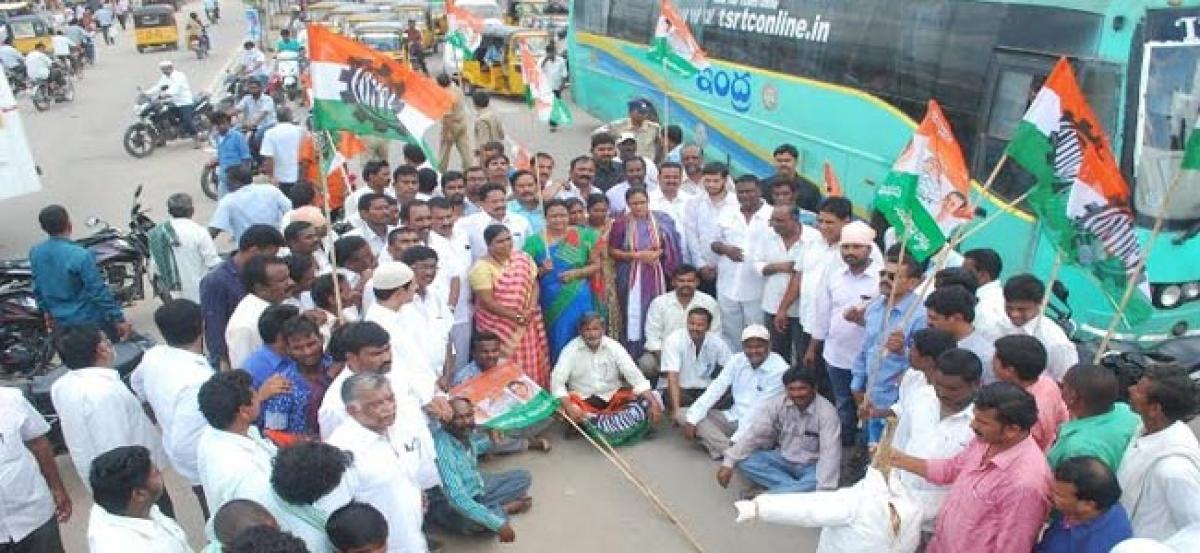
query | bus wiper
(1188,234)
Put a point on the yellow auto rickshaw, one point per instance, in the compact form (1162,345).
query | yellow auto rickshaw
(339,15)
(27,31)
(496,66)
(353,21)
(154,27)
(384,36)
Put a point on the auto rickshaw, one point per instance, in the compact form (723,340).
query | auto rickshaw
(154,27)
(27,31)
(496,66)
(354,20)
(338,16)
(173,3)
(318,12)
(384,36)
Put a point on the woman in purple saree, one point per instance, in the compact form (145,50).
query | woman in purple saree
(646,248)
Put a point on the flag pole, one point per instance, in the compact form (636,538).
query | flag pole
(1058,261)
(1137,269)
(332,253)
(884,333)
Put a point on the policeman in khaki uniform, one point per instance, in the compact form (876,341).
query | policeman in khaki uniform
(648,133)
(488,127)
(454,127)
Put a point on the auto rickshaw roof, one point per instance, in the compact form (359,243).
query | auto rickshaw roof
(27,17)
(155,9)
(380,27)
(347,9)
(368,17)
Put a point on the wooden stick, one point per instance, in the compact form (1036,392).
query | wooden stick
(884,333)
(1137,269)
(616,459)
(1053,276)
(883,452)
(961,237)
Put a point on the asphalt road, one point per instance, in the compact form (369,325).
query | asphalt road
(582,503)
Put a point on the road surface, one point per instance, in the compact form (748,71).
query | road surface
(582,503)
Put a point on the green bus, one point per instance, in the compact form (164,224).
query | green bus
(846,81)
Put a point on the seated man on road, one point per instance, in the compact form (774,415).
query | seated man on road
(485,355)
(669,312)
(470,501)
(751,377)
(794,443)
(691,358)
(601,388)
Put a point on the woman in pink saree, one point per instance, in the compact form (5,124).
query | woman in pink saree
(506,303)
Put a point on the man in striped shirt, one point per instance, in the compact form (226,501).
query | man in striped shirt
(470,501)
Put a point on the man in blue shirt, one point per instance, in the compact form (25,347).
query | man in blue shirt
(222,289)
(232,149)
(1088,517)
(248,204)
(67,283)
(285,412)
(898,280)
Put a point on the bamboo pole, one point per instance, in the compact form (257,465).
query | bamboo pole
(615,458)
(884,333)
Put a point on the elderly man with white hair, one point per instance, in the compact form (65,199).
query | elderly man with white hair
(393,455)
(182,250)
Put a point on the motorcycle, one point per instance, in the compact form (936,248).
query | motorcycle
(209,183)
(56,88)
(285,83)
(157,123)
(18,80)
(200,44)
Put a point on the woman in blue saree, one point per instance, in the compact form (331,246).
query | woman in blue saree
(566,257)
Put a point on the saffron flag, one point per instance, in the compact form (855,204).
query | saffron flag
(833,186)
(925,194)
(365,92)
(539,93)
(674,46)
(1079,194)
(506,399)
(334,156)
(464,31)
(521,158)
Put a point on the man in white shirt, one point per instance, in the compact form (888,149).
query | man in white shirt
(192,251)
(38,63)
(308,482)
(173,86)
(990,316)
(739,284)
(952,308)
(374,210)
(773,255)
(34,501)
(231,453)
(281,150)
(837,330)
(1023,296)
(418,215)
(592,373)
(752,376)
(691,358)
(691,156)
(635,177)
(393,457)
(672,200)
(1160,472)
(495,212)
(252,63)
(579,183)
(669,312)
(700,216)
(126,485)
(10,57)
(169,379)
(97,412)
(376,178)
(268,282)
(62,47)
(936,419)
(454,265)
(429,312)
(368,349)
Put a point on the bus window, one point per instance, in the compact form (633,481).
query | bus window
(1170,103)
(633,21)
(592,17)
(1012,86)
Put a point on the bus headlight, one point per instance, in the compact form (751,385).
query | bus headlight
(1191,290)
(1170,296)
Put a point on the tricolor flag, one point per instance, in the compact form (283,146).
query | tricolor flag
(925,194)
(365,92)
(674,46)
(539,93)
(506,399)
(1079,194)
(464,31)
(325,157)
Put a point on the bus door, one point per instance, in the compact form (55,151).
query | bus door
(1013,80)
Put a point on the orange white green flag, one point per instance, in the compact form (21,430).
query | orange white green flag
(539,93)
(674,46)
(925,195)
(1079,195)
(366,92)
(464,30)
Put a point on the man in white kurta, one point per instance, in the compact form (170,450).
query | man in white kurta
(193,251)
(231,452)
(134,523)
(393,458)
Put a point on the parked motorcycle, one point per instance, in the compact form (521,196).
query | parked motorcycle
(57,88)
(157,123)
(285,82)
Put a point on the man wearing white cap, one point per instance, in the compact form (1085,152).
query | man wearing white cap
(840,303)
(411,371)
(173,86)
(751,377)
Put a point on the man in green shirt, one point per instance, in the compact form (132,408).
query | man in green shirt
(1100,426)
(287,42)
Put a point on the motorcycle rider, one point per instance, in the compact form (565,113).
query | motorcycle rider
(194,29)
(173,86)
(82,38)
(64,47)
(38,64)
(256,114)
(287,43)
(232,150)
(253,63)
(68,284)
